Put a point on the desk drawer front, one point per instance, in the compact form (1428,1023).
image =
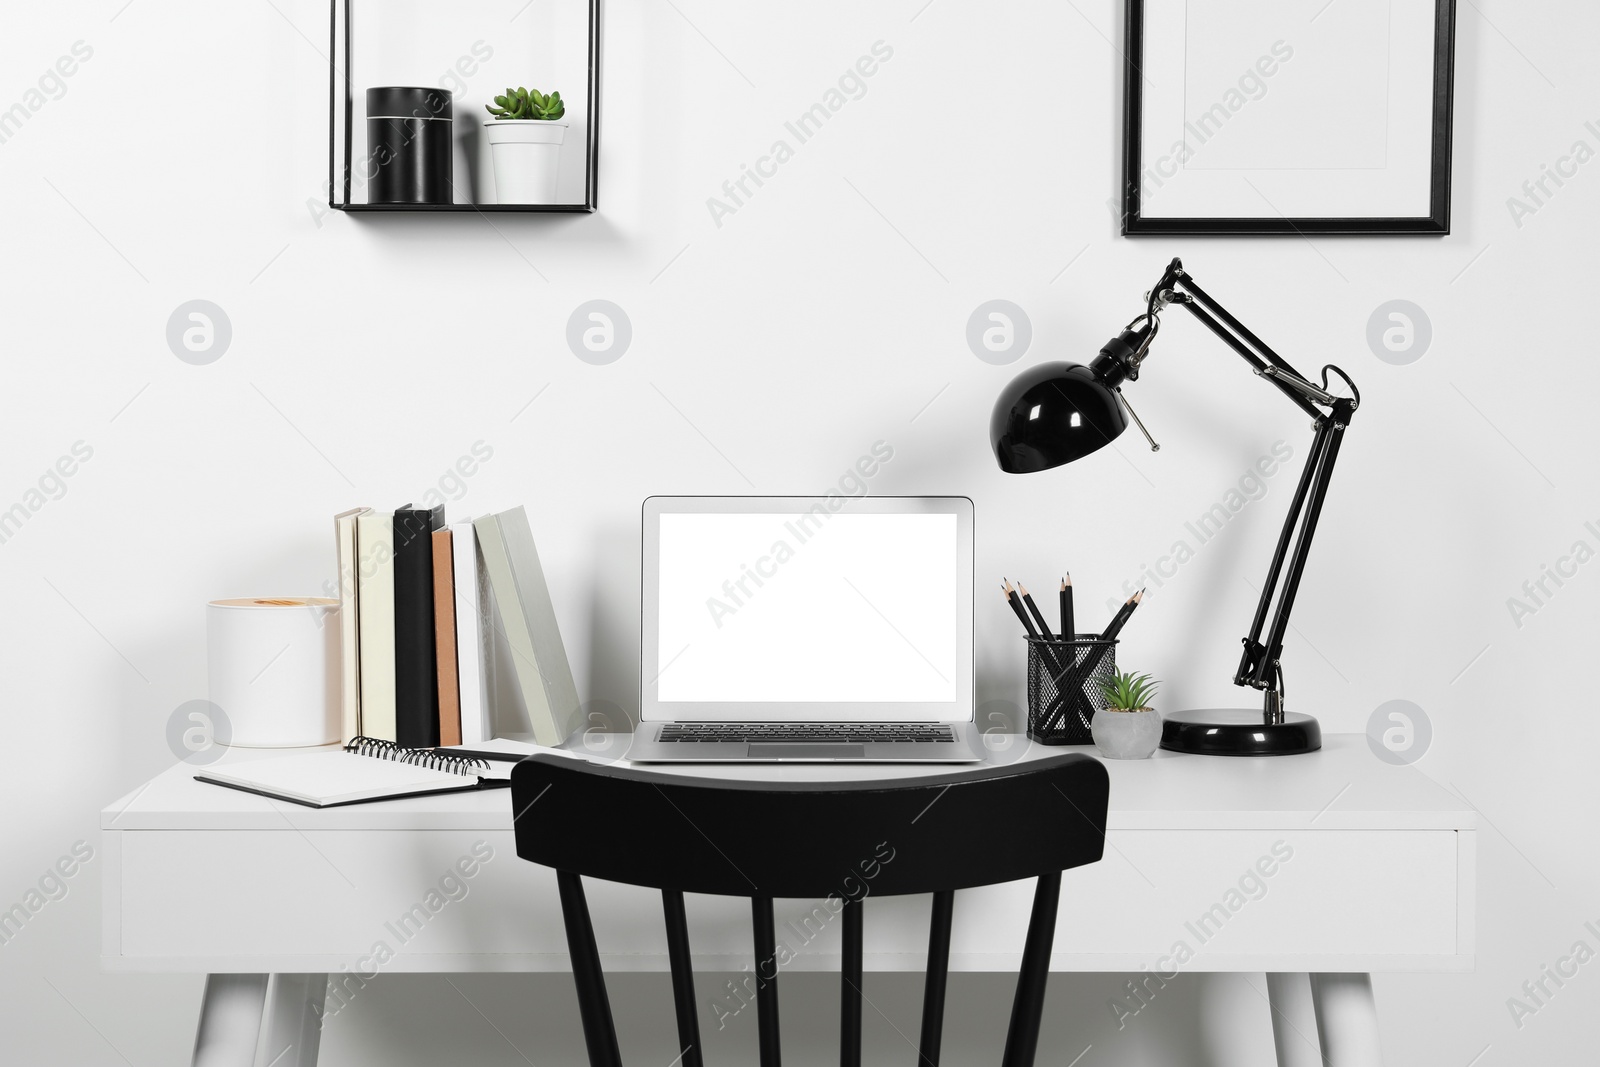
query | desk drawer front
(461,900)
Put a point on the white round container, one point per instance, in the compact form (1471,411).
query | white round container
(527,159)
(273,666)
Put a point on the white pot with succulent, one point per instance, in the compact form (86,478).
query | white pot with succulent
(525,143)
(1127,727)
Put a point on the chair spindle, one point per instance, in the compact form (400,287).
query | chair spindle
(850,986)
(938,977)
(682,978)
(766,980)
(1022,1036)
(594,1007)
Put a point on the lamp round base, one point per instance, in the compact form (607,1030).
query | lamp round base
(1239,732)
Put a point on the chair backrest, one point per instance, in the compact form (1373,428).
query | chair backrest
(839,841)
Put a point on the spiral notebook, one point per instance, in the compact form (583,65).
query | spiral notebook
(362,771)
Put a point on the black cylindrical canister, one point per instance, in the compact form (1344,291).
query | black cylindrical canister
(409,145)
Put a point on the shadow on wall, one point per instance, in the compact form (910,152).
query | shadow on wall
(1199,1020)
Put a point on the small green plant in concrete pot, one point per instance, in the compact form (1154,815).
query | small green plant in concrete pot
(1127,727)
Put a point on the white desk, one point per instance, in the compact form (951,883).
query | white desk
(1332,865)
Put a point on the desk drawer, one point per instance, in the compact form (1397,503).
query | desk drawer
(461,900)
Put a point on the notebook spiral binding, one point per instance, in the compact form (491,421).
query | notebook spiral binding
(419,757)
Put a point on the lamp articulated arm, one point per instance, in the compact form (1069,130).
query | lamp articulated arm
(1259,666)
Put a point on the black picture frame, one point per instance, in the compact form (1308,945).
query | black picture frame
(1436,222)
(341,105)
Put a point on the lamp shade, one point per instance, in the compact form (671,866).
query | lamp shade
(1053,414)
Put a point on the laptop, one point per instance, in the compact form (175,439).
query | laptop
(807,630)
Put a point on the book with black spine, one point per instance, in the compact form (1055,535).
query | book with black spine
(416,668)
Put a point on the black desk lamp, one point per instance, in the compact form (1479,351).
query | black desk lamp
(1058,412)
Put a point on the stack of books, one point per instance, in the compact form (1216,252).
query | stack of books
(448,636)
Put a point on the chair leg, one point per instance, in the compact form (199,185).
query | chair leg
(682,978)
(1022,1037)
(938,978)
(850,987)
(599,1032)
(766,980)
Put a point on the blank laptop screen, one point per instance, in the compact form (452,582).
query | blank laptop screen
(764,611)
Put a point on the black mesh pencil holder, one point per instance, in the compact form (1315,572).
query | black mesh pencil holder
(1064,686)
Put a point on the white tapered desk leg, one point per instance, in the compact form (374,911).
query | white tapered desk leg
(230,1020)
(1294,1020)
(1347,1019)
(294,1020)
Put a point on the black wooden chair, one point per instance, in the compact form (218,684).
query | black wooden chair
(838,841)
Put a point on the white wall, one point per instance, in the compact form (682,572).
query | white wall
(186,160)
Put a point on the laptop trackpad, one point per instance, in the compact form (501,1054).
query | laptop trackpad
(763,750)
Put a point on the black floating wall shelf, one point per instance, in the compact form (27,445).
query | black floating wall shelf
(342,120)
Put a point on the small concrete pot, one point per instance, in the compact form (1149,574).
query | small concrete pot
(1126,734)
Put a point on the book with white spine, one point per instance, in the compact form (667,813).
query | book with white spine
(375,591)
(348,557)
(471,630)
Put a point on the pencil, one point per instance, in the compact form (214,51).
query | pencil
(1016,606)
(1052,663)
(1096,653)
(1121,618)
(1069,626)
(1073,683)
(1033,609)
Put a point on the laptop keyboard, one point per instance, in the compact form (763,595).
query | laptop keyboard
(809,733)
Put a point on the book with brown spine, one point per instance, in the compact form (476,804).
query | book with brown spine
(444,629)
